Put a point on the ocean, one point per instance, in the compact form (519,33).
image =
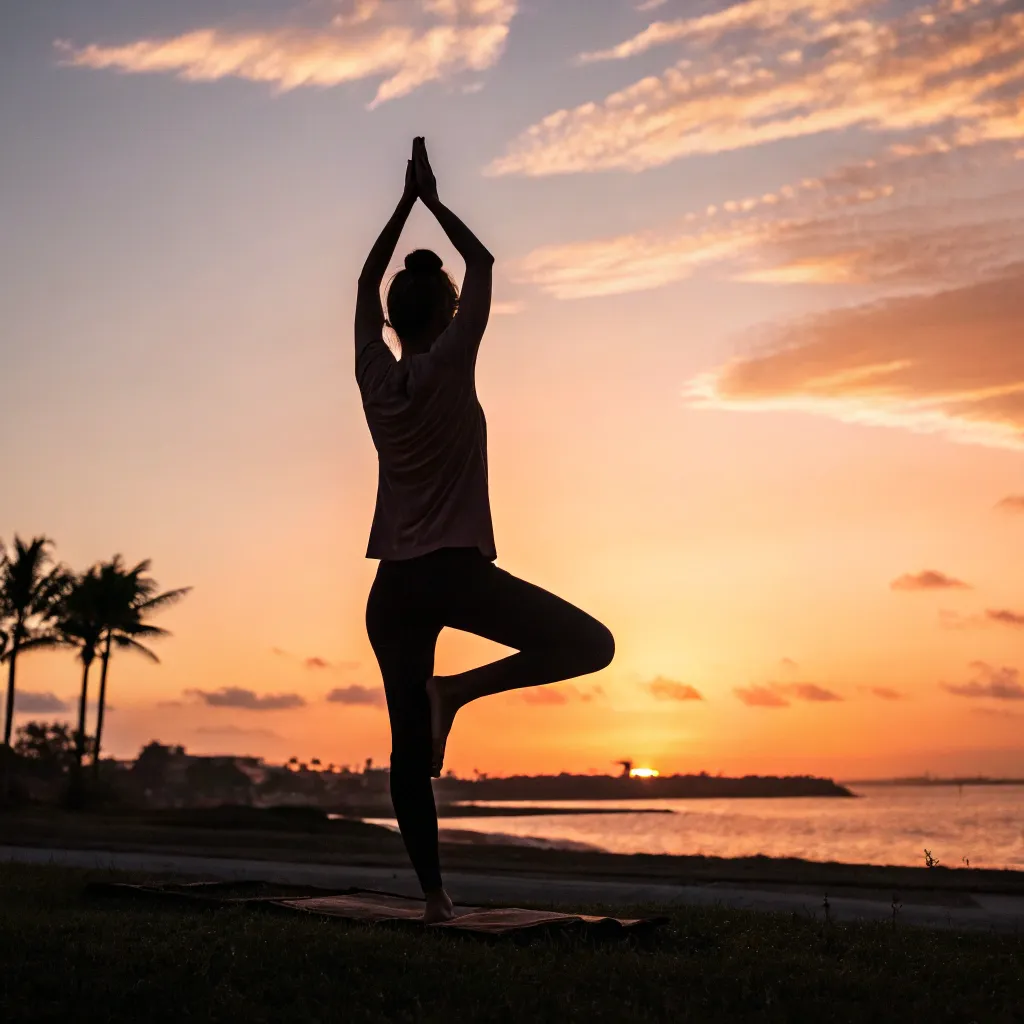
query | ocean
(883,825)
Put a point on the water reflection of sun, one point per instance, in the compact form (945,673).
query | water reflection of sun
(643,773)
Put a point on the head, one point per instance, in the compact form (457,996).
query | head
(422,300)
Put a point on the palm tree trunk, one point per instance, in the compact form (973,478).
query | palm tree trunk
(80,738)
(9,720)
(102,704)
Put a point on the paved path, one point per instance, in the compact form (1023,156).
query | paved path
(989,912)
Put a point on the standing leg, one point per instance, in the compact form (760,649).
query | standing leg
(554,639)
(403,640)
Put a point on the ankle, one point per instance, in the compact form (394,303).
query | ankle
(438,906)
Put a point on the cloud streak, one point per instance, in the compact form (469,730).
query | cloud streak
(762,15)
(990,681)
(928,579)
(560,694)
(951,62)
(809,692)
(407,43)
(948,362)
(846,226)
(1012,503)
(760,697)
(669,689)
(248,700)
(778,695)
(28,703)
(1005,617)
(884,692)
(357,695)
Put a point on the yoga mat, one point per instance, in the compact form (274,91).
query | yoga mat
(372,907)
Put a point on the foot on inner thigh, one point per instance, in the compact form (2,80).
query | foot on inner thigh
(438,907)
(443,706)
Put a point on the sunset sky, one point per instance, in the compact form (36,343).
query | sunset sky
(754,379)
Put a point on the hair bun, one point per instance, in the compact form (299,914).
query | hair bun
(423,261)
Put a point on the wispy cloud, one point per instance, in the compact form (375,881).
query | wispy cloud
(1012,503)
(853,225)
(883,692)
(804,72)
(560,693)
(808,691)
(1005,617)
(356,694)
(928,579)
(760,697)
(29,703)
(629,263)
(948,362)
(779,695)
(669,689)
(249,700)
(808,18)
(991,681)
(544,695)
(406,42)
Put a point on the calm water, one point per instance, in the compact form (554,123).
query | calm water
(885,825)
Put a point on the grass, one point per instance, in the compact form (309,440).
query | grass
(65,956)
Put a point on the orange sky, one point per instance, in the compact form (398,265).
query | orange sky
(757,357)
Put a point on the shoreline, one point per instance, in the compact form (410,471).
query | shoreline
(312,840)
(478,811)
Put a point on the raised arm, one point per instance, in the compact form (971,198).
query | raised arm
(369,314)
(475,301)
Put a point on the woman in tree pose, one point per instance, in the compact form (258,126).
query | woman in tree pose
(432,524)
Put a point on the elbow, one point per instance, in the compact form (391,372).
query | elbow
(483,258)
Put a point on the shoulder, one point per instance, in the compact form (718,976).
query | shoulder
(376,366)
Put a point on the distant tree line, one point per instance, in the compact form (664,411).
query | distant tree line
(45,605)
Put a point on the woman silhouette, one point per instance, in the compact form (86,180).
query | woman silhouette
(432,524)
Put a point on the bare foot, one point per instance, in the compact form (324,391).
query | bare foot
(439,907)
(442,715)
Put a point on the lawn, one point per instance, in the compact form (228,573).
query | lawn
(65,955)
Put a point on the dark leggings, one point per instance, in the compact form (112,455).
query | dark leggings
(410,602)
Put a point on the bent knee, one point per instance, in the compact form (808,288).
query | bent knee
(596,647)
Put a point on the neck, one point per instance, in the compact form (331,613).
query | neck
(418,345)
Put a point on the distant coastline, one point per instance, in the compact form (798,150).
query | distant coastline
(609,787)
(927,780)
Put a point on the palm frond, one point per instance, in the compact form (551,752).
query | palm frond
(128,643)
(144,629)
(164,600)
(46,641)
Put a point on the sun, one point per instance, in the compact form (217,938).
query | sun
(643,773)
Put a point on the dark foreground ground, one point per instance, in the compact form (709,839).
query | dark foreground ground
(300,835)
(65,955)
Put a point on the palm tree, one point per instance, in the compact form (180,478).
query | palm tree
(80,624)
(30,588)
(127,596)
